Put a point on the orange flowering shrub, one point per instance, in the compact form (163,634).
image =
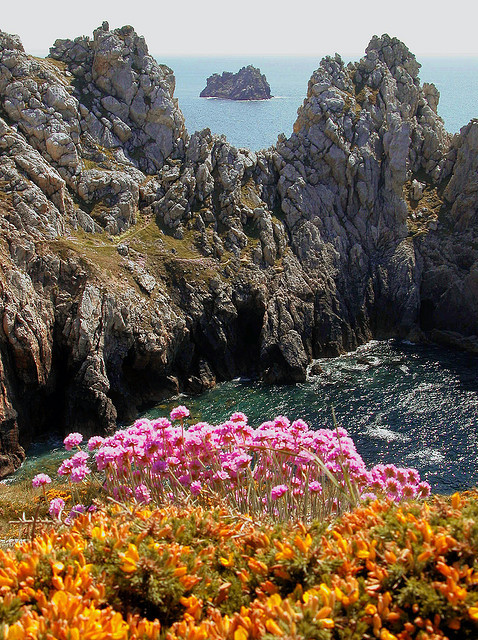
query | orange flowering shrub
(382,571)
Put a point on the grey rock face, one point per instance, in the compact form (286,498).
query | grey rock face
(102,103)
(247,84)
(128,96)
(462,190)
(361,224)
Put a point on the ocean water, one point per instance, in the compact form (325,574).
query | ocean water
(256,124)
(407,404)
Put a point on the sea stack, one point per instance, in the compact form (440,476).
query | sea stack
(247,84)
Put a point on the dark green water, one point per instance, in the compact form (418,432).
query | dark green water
(402,403)
(406,404)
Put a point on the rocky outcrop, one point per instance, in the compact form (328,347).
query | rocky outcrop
(247,84)
(449,293)
(125,97)
(137,262)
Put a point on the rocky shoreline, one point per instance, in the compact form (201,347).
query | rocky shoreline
(138,260)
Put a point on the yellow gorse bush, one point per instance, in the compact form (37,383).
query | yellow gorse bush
(382,571)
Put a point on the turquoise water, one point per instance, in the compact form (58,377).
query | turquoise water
(402,403)
(256,124)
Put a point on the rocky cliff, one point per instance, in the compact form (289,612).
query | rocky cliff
(247,84)
(136,260)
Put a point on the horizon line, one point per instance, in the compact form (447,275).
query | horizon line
(214,54)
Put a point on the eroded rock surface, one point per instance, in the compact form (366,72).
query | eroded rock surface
(136,261)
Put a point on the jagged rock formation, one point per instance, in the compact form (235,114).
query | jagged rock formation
(136,261)
(247,84)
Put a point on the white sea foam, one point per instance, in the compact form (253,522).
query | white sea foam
(383,433)
(429,454)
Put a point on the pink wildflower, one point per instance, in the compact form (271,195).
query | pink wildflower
(107,455)
(142,494)
(56,507)
(278,491)
(41,479)
(315,486)
(196,487)
(377,485)
(159,466)
(78,474)
(79,459)
(423,490)
(160,424)
(402,475)
(392,486)
(76,510)
(390,471)
(409,491)
(378,471)
(368,496)
(72,440)
(178,413)
(282,422)
(95,442)
(238,416)
(221,476)
(65,468)
(299,426)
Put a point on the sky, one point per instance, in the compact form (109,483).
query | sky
(265,27)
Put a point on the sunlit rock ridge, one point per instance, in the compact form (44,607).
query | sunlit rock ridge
(138,260)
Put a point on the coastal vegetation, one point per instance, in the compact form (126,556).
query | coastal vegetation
(384,570)
(279,471)
(233,532)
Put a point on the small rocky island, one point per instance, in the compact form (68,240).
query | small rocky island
(247,84)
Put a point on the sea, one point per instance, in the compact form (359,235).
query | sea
(408,404)
(403,403)
(256,124)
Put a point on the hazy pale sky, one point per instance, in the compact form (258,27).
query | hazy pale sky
(228,27)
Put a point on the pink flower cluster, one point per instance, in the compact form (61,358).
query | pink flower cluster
(397,482)
(75,467)
(40,480)
(284,461)
(72,440)
(178,413)
(57,506)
